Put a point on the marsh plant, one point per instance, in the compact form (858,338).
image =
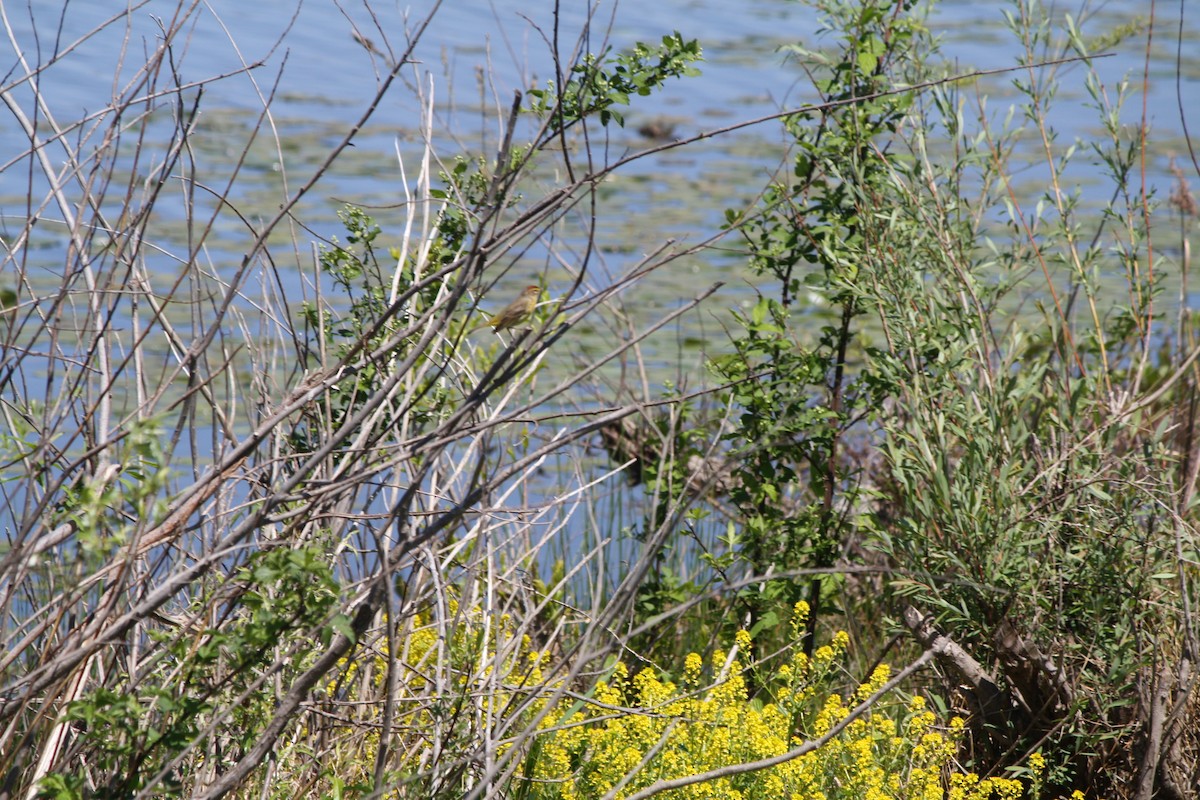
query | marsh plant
(925,527)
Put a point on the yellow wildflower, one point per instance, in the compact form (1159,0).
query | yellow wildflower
(692,666)
(878,678)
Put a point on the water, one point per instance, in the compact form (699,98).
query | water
(472,57)
(322,81)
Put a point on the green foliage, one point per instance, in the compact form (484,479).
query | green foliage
(138,735)
(1012,488)
(286,589)
(106,508)
(816,219)
(468,189)
(1022,506)
(355,270)
(780,430)
(599,82)
(372,317)
(798,402)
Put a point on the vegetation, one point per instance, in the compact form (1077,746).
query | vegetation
(930,531)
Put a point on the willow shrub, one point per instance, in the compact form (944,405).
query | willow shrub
(973,388)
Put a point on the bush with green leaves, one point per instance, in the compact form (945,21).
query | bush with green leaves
(1019,472)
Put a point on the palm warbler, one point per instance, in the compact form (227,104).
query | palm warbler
(518,310)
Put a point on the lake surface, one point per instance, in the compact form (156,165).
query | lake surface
(472,56)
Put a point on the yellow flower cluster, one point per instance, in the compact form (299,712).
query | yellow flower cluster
(642,727)
(452,677)
(664,731)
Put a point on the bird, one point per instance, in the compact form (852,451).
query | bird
(518,310)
